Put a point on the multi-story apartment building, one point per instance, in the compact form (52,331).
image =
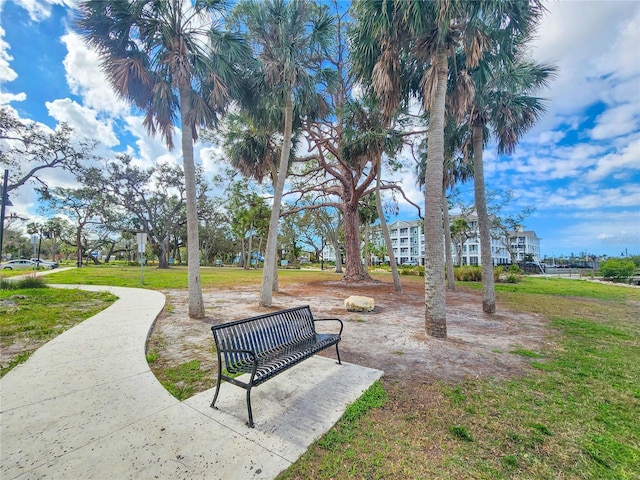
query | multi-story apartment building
(466,248)
(407,239)
(524,243)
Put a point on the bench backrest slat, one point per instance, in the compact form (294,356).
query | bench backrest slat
(262,334)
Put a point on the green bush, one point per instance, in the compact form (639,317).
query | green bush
(25,283)
(515,269)
(468,274)
(417,271)
(617,269)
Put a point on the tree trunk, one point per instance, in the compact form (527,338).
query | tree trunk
(336,249)
(270,261)
(355,271)
(434,286)
(451,281)
(79,247)
(385,231)
(484,227)
(196,304)
(243,254)
(250,252)
(163,257)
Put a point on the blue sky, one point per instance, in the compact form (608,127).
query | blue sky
(579,167)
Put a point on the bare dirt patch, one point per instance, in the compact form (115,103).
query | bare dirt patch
(391,338)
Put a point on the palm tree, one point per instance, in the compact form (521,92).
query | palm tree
(430,32)
(173,60)
(504,106)
(289,40)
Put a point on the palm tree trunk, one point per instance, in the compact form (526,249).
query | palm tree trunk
(434,286)
(451,281)
(385,230)
(196,304)
(488,287)
(269,271)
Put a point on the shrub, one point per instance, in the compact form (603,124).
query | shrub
(617,269)
(25,283)
(515,269)
(513,278)
(468,274)
(407,270)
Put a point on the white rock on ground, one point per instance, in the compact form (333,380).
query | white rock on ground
(356,303)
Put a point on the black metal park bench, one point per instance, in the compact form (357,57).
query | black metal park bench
(267,345)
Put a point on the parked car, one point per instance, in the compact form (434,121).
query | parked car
(410,263)
(45,263)
(19,264)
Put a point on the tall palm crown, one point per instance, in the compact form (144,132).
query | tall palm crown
(171,59)
(150,50)
(290,40)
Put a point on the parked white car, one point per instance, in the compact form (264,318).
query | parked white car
(19,264)
(410,263)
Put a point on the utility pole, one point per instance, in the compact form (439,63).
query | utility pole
(5,202)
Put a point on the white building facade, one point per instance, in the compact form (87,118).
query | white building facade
(524,243)
(407,240)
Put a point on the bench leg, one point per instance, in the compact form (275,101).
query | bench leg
(215,397)
(338,353)
(251,425)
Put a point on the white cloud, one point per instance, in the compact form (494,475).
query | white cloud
(86,79)
(624,162)
(548,163)
(151,149)
(6,98)
(41,9)
(597,232)
(7,74)
(617,121)
(211,159)
(550,137)
(595,46)
(83,120)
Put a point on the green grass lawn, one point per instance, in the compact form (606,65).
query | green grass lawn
(30,317)
(575,416)
(174,277)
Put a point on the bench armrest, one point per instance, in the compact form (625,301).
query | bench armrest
(254,359)
(330,319)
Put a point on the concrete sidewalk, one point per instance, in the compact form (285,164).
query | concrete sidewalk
(86,405)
